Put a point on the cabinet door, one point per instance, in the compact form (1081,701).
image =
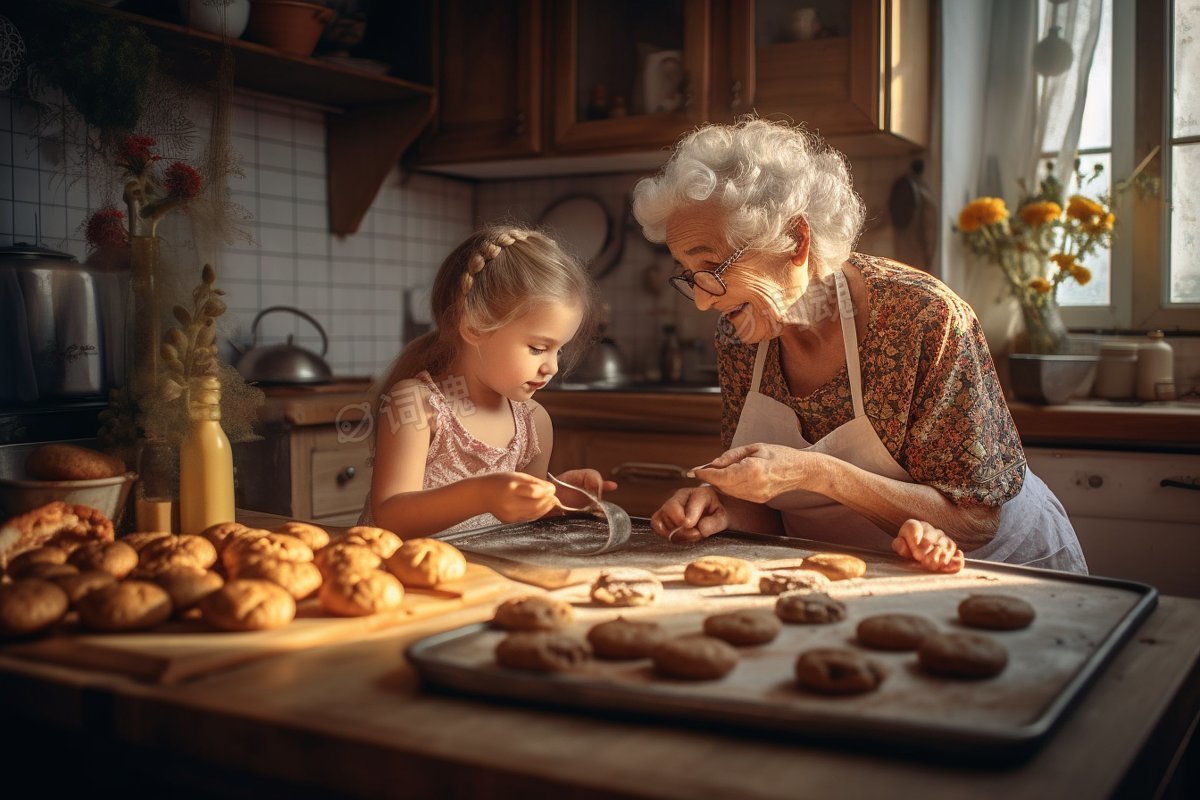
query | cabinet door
(629,73)
(489,68)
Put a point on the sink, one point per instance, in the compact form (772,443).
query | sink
(663,387)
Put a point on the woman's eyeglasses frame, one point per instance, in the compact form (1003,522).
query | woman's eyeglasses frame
(685,282)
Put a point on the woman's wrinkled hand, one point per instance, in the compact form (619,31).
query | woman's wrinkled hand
(928,546)
(516,496)
(589,479)
(758,472)
(690,515)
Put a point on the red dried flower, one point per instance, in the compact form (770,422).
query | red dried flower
(135,153)
(106,228)
(182,181)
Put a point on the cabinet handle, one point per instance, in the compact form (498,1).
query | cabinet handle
(1181,483)
(644,470)
(346,475)
(519,126)
(735,94)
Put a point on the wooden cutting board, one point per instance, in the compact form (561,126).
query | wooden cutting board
(186,649)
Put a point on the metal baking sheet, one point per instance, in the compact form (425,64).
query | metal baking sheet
(1081,622)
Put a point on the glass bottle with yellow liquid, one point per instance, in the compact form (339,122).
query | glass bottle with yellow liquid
(205,461)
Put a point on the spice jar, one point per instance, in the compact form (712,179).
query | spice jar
(1116,372)
(1155,368)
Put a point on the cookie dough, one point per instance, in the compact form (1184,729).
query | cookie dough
(623,639)
(894,631)
(997,612)
(962,655)
(425,563)
(748,626)
(718,571)
(792,580)
(694,657)
(30,606)
(809,608)
(248,605)
(833,670)
(533,612)
(627,586)
(128,606)
(836,566)
(542,651)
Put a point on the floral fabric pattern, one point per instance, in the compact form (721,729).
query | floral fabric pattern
(929,388)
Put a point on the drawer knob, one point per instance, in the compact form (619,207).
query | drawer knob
(1184,482)
(346,475)
(1095,481)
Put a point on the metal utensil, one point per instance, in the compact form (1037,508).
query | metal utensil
(619,525)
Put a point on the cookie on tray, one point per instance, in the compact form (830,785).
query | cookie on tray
(30,606)
(139,540)
(894,631)
(223,533)
(997,612)
(248,605)
(426,562)
(695,657)
(360,594)
(542,651)
(623,639)
(962,655)
(625,586)
(77,584)
(46,554)
(835,670)
(246,548)
(187,585)
(341,558)
(301,578)
(184,550)
(836,566)
(314,536)
(382,541)
(809,608)
(534,612)
(792,580)
(718,571)
(127,606)
(116,558)
(744,627)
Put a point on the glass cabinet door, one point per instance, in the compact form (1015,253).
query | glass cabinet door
(628,73)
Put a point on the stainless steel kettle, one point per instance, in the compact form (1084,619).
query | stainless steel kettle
(286,363)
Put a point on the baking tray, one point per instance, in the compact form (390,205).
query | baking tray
(1082,621)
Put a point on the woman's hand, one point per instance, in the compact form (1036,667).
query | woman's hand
(928,546)
(515,496)
(588,479)
(759,472)
(690,515)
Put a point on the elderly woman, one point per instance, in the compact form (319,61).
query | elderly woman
(860,403)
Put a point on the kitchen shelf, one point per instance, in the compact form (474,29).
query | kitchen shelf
(375,117)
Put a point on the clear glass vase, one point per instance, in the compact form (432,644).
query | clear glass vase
(1044,325)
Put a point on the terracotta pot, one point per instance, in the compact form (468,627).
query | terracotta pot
(290,26)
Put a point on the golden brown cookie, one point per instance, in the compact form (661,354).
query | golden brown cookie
(139,540)
(46,554)
(382,542)
(66,525)
(116,558)
(30,606)
(542,651)
(625,586)
(127,606)
(718,571)
(47,572)
(187,585)
(186,550)
(962,655)
(747,626)
(359,594)
(534,612)
(792,580)
(694,657)
(997,612)
(314,536)
(300,578)
(222,533)
(836,566)
(809,608)
(623,639)
(248,605)
(245,548)
(69,462)
(77,584)
(340,558)
(426,563)
(894,631)
(832,670)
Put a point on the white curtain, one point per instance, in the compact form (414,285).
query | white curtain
(991,95)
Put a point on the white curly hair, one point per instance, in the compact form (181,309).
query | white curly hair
(763,175)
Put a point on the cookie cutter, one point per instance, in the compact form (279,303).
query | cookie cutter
(619,525)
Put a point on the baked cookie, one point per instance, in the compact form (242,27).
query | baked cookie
(77,584)
(809,608)
(341,558)
(382,542)
(69,462)
(997,612)
(694,657)
(748,626)
(48,571)
(116,558)
(426,562)
(534,612)
(792,580)
(222,533)
(542,651)
(248,605)
(360,594)
(126,606)
(894,631)
(718,571)
(187,585)
(623,639)
(835,566)
(626,586)
(244,549)
(47,554)
(314,536)
(66,525)
(142,538)
(178,551)
(832,670)
(29,606)
(962,655)
(300,578)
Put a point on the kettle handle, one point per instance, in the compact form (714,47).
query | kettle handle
(297,312)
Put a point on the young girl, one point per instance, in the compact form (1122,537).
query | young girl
(459,441)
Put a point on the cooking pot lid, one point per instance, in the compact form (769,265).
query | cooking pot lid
(33,252)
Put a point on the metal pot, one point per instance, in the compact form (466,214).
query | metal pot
(62,326)
(285,363)
(602,365)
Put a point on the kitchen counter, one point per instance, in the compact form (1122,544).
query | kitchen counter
(351,720)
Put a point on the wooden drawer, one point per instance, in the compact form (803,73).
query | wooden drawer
(647,468)
(341,477)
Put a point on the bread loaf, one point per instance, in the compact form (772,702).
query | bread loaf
(68,462)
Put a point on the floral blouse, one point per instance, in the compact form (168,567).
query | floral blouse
(929,387)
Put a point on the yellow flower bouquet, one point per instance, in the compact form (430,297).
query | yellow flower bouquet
(1040,247)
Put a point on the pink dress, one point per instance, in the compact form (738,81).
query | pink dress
(455,454)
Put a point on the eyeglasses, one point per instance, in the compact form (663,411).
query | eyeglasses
(708,280)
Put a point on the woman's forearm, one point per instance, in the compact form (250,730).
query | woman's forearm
(425,512)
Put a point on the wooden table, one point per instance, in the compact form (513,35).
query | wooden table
(351,720)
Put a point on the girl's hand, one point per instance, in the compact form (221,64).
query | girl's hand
(759,472)
(928,546)
(589,479)
(516,496)
(690,515)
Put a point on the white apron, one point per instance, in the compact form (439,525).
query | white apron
(1034,529)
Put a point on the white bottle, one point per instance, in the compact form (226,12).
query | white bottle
(1155,368)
